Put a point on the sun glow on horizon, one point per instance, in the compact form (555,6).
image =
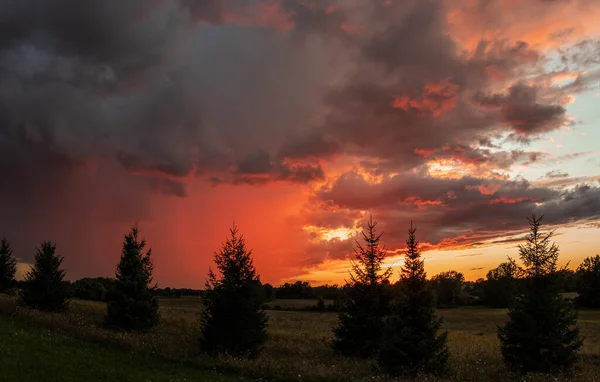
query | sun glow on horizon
(325,234)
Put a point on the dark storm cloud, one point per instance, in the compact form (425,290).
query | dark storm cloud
(258,167)
(128,80)
(521,110)
(212,11)
(312,145)
(323,17)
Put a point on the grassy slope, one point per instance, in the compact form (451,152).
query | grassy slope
(33,354)
(298,345)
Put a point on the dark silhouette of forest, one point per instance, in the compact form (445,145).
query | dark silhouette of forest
(392,322)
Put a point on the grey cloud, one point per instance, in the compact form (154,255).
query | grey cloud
(520,109)
(556,174)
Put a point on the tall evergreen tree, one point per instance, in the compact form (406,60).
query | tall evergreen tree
(588,285)
(132,303)
(411,343)
(8,266)
(45,287)
(233,321)
(367,299)
(541,334)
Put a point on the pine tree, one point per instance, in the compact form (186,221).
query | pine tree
(44,287)
(133,304)
(368,295)
(410,342)
(8,266)
(233,321)
(541,334)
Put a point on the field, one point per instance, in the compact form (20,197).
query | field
(297,349)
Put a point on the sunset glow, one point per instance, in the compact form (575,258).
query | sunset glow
(297,120)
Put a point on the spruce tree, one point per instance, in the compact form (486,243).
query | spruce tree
(411,343)
(233,321)
(8,266)
(541,334)
(45,287)
(132,304)
(358,332)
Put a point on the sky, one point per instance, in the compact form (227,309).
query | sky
(297,120)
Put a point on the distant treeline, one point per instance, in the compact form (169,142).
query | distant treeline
(451,289)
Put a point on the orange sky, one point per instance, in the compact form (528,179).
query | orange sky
(297,119)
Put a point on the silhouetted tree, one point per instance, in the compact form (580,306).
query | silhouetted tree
(541,334)
(269,291)
(410,343)
(132,303)
(233,321)
(8,266)
(368,294)
(568,280)
(588,285)
(328,292)
(45,287)
(297,290)
(448,288)
(501,285)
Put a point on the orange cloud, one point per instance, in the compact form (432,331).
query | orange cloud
(435,99)
(542,24)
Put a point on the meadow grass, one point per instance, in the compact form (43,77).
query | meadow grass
(34,354)
(298,345)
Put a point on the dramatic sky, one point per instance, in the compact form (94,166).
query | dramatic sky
(297,119)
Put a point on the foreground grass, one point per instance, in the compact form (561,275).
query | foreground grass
(298,345)
(32,354)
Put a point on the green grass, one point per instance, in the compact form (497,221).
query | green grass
(298,345)
(33,354)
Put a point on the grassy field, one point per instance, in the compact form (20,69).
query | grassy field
(298,345)
(33,354)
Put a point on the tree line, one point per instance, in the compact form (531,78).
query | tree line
(393,323)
